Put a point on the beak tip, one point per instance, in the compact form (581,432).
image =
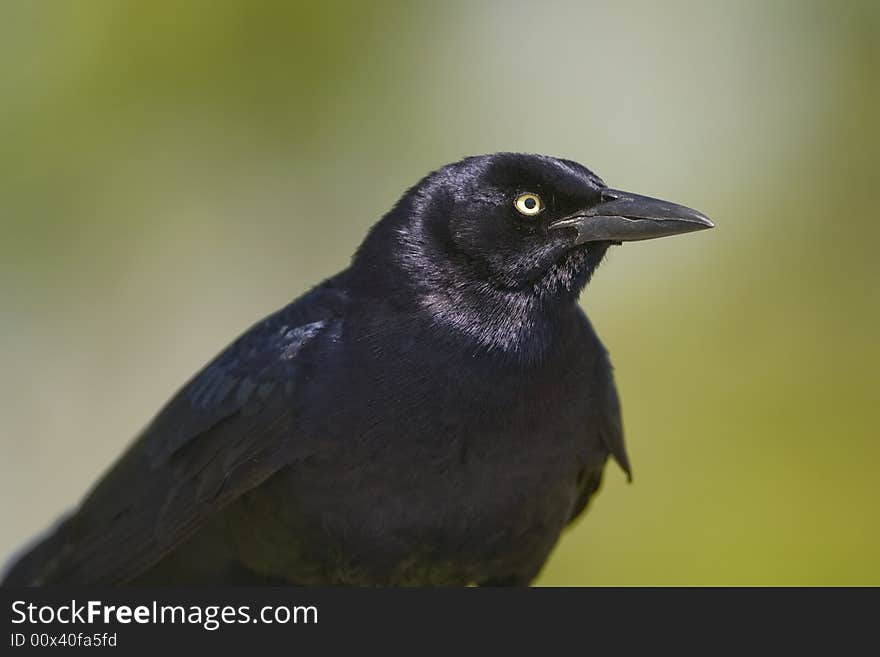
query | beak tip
(706,222)
(693,219)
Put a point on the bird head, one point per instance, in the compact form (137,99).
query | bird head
(495,244)
(521,223)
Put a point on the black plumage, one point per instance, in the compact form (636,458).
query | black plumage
(435,414)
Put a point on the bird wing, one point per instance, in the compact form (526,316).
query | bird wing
(605,420)
(222,434)
(609,420)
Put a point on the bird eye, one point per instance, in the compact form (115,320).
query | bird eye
(528,204)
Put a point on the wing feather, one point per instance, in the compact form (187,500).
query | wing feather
(225,432)
(606,421)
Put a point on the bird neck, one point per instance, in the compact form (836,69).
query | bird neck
(510,324)
(473,317)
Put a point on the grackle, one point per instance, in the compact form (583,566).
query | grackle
(434,415)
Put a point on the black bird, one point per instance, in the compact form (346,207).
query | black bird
(434,415)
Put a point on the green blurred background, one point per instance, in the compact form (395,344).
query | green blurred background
(172,171)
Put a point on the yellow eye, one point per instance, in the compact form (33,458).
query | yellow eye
(528,204)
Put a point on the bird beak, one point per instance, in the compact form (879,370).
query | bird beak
(626,217)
